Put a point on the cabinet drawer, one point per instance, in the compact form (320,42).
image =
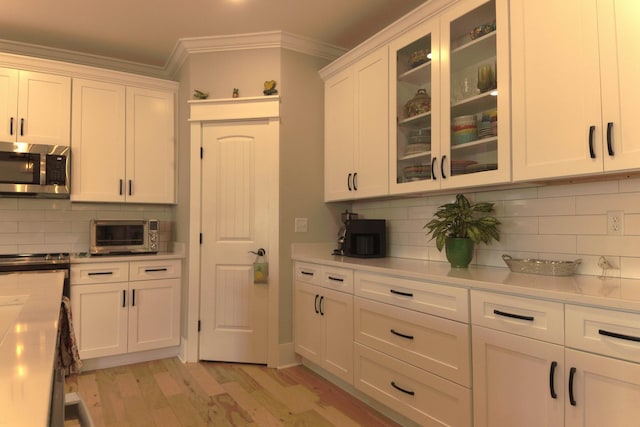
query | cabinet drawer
(529,317)
(83,274)
(150,270)
(437,345)
(308,273)
(608,332)
(440,300)
(340,279)
(423,397)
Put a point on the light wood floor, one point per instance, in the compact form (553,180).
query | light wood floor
(170,393)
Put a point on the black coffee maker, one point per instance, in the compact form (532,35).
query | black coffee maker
(345,217)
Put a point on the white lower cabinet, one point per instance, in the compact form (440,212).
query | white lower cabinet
(323,318)
(533,363)
(125,307)
(409,357)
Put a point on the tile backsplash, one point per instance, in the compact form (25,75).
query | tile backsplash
(560,222)
(52,225)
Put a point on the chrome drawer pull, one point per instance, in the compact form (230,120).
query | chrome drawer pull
(409,392)
(404,294)
(513,316)
(394,332)
(619,336)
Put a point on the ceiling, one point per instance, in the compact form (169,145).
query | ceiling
(146,31)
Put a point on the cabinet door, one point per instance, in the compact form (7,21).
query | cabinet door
(8,103)
(339,136)
(100,314)
(475,131)
(414,132)
(98,141)
(371,163)
(306,322)
(154,314)
(604,391)
(620,67)
(514,380)
(336,314)
(150,148)
(556,89)
(44,109)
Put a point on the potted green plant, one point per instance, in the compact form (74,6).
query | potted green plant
(459,225)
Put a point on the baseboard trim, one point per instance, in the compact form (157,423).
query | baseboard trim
(129,358)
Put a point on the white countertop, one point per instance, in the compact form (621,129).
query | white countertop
(85,258)
(27,350)
(623,294)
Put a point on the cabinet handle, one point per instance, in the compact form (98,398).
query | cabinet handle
(22,127)
(513,316)
(552,373)
(404,390)
(151,270)
(394,332)
(315,304)
(355,181)
(610,138)
(592,153)
(336,279)
(617,335)
(11,126)
(321,306)
(133,298)
(124,298)
(349,181)
(121,183)
(442,167)
(433,172)
(572,374)
(100,273)
(404,294)
(306,273)
(130,186)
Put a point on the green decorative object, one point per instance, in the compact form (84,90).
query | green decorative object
(459,251)
(198,94)
(463,220)
(270,88)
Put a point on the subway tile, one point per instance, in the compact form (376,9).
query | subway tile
(631,225)
(609,245)
(573,224)
(8,249)
(44,204)
(579,189)
(510,194)
(412,252)
(8,226)
(630,185)
(21,238)
(538,243)
(627,202)
(18,215)
(7,203)
(518,225)
(630,266)
(421,212)
(540,207)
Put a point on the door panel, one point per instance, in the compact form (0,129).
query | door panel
(238,168)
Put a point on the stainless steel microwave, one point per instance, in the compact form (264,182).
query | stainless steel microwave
(34,170)
(121,236)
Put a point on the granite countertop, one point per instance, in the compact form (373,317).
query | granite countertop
(29,313)
(618,293)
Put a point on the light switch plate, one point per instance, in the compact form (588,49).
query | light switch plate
(301,225)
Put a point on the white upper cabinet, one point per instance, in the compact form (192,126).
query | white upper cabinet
(356,129)
(446,100)
(122,143)
(35,108)
(574,87)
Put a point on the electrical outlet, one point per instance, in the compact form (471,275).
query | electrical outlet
(615,223)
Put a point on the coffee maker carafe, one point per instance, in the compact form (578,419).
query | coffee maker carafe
(342,233)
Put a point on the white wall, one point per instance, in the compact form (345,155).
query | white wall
(53,226)
(566,222)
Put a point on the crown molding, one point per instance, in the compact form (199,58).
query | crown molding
(73,57)
(263,40)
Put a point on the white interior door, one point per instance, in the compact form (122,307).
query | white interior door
(239,171)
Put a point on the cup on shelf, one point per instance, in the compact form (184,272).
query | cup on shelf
(486,78)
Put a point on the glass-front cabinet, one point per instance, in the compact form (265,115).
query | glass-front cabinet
(449,99)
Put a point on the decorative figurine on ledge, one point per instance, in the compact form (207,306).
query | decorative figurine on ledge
(200,95)
(236,93)
(270,87)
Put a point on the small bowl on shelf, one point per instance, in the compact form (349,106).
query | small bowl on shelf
(419,57)
(481,30)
